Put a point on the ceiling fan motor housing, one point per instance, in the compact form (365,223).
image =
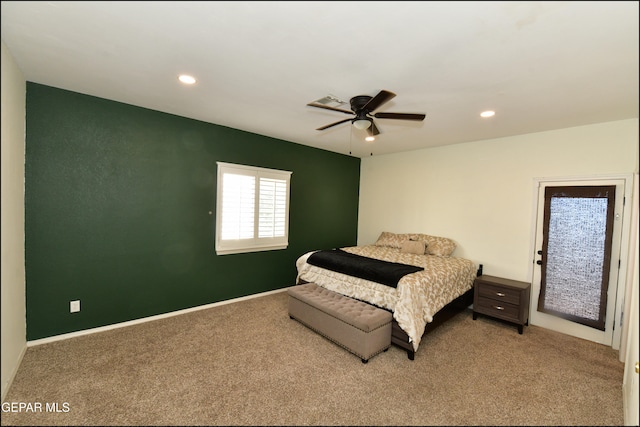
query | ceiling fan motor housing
(357,102)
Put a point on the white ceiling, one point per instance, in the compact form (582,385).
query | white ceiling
(539,65)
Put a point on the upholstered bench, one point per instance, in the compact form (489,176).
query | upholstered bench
(361,328)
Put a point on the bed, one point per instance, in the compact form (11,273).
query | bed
(442,286)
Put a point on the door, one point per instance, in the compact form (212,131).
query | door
(577,247)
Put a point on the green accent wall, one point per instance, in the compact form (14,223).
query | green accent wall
(120,205)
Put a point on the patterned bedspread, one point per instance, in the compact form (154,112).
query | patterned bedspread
(418,295)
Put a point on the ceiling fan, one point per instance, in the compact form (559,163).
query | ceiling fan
(362,107)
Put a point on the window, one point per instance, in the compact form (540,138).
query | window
(252,211)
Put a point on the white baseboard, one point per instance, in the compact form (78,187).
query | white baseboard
(146,319)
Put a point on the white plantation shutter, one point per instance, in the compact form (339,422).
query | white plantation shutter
(252,209)
(238,195)
(273,207)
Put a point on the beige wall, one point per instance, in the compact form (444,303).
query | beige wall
(13,276)
(481,194)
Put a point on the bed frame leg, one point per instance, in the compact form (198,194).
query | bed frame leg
(411,354)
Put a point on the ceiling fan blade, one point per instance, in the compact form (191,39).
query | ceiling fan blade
(334,124)
(382,97)
(400,116)
(326,107)
(373,129)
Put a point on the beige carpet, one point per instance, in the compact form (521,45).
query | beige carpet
(247,363)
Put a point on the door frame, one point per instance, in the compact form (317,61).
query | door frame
(622,290)
(629,349)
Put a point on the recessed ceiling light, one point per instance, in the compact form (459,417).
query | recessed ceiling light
(488,113)
(188,80)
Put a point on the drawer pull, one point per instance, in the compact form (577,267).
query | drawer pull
(500,294)
(497,307)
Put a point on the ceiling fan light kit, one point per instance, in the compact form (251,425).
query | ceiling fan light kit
(361,124)
(362,107)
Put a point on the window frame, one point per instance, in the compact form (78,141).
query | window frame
(255,244)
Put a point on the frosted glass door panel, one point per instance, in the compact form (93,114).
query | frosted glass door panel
(576,253)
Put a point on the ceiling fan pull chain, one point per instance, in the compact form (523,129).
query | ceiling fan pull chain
(350,140)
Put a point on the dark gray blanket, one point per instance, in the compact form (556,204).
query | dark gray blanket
(384,272)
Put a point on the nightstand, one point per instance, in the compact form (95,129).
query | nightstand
(503,299)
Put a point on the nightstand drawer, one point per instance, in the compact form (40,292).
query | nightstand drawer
(511,296)
(500,309)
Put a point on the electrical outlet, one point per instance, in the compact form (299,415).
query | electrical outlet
(74,306)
